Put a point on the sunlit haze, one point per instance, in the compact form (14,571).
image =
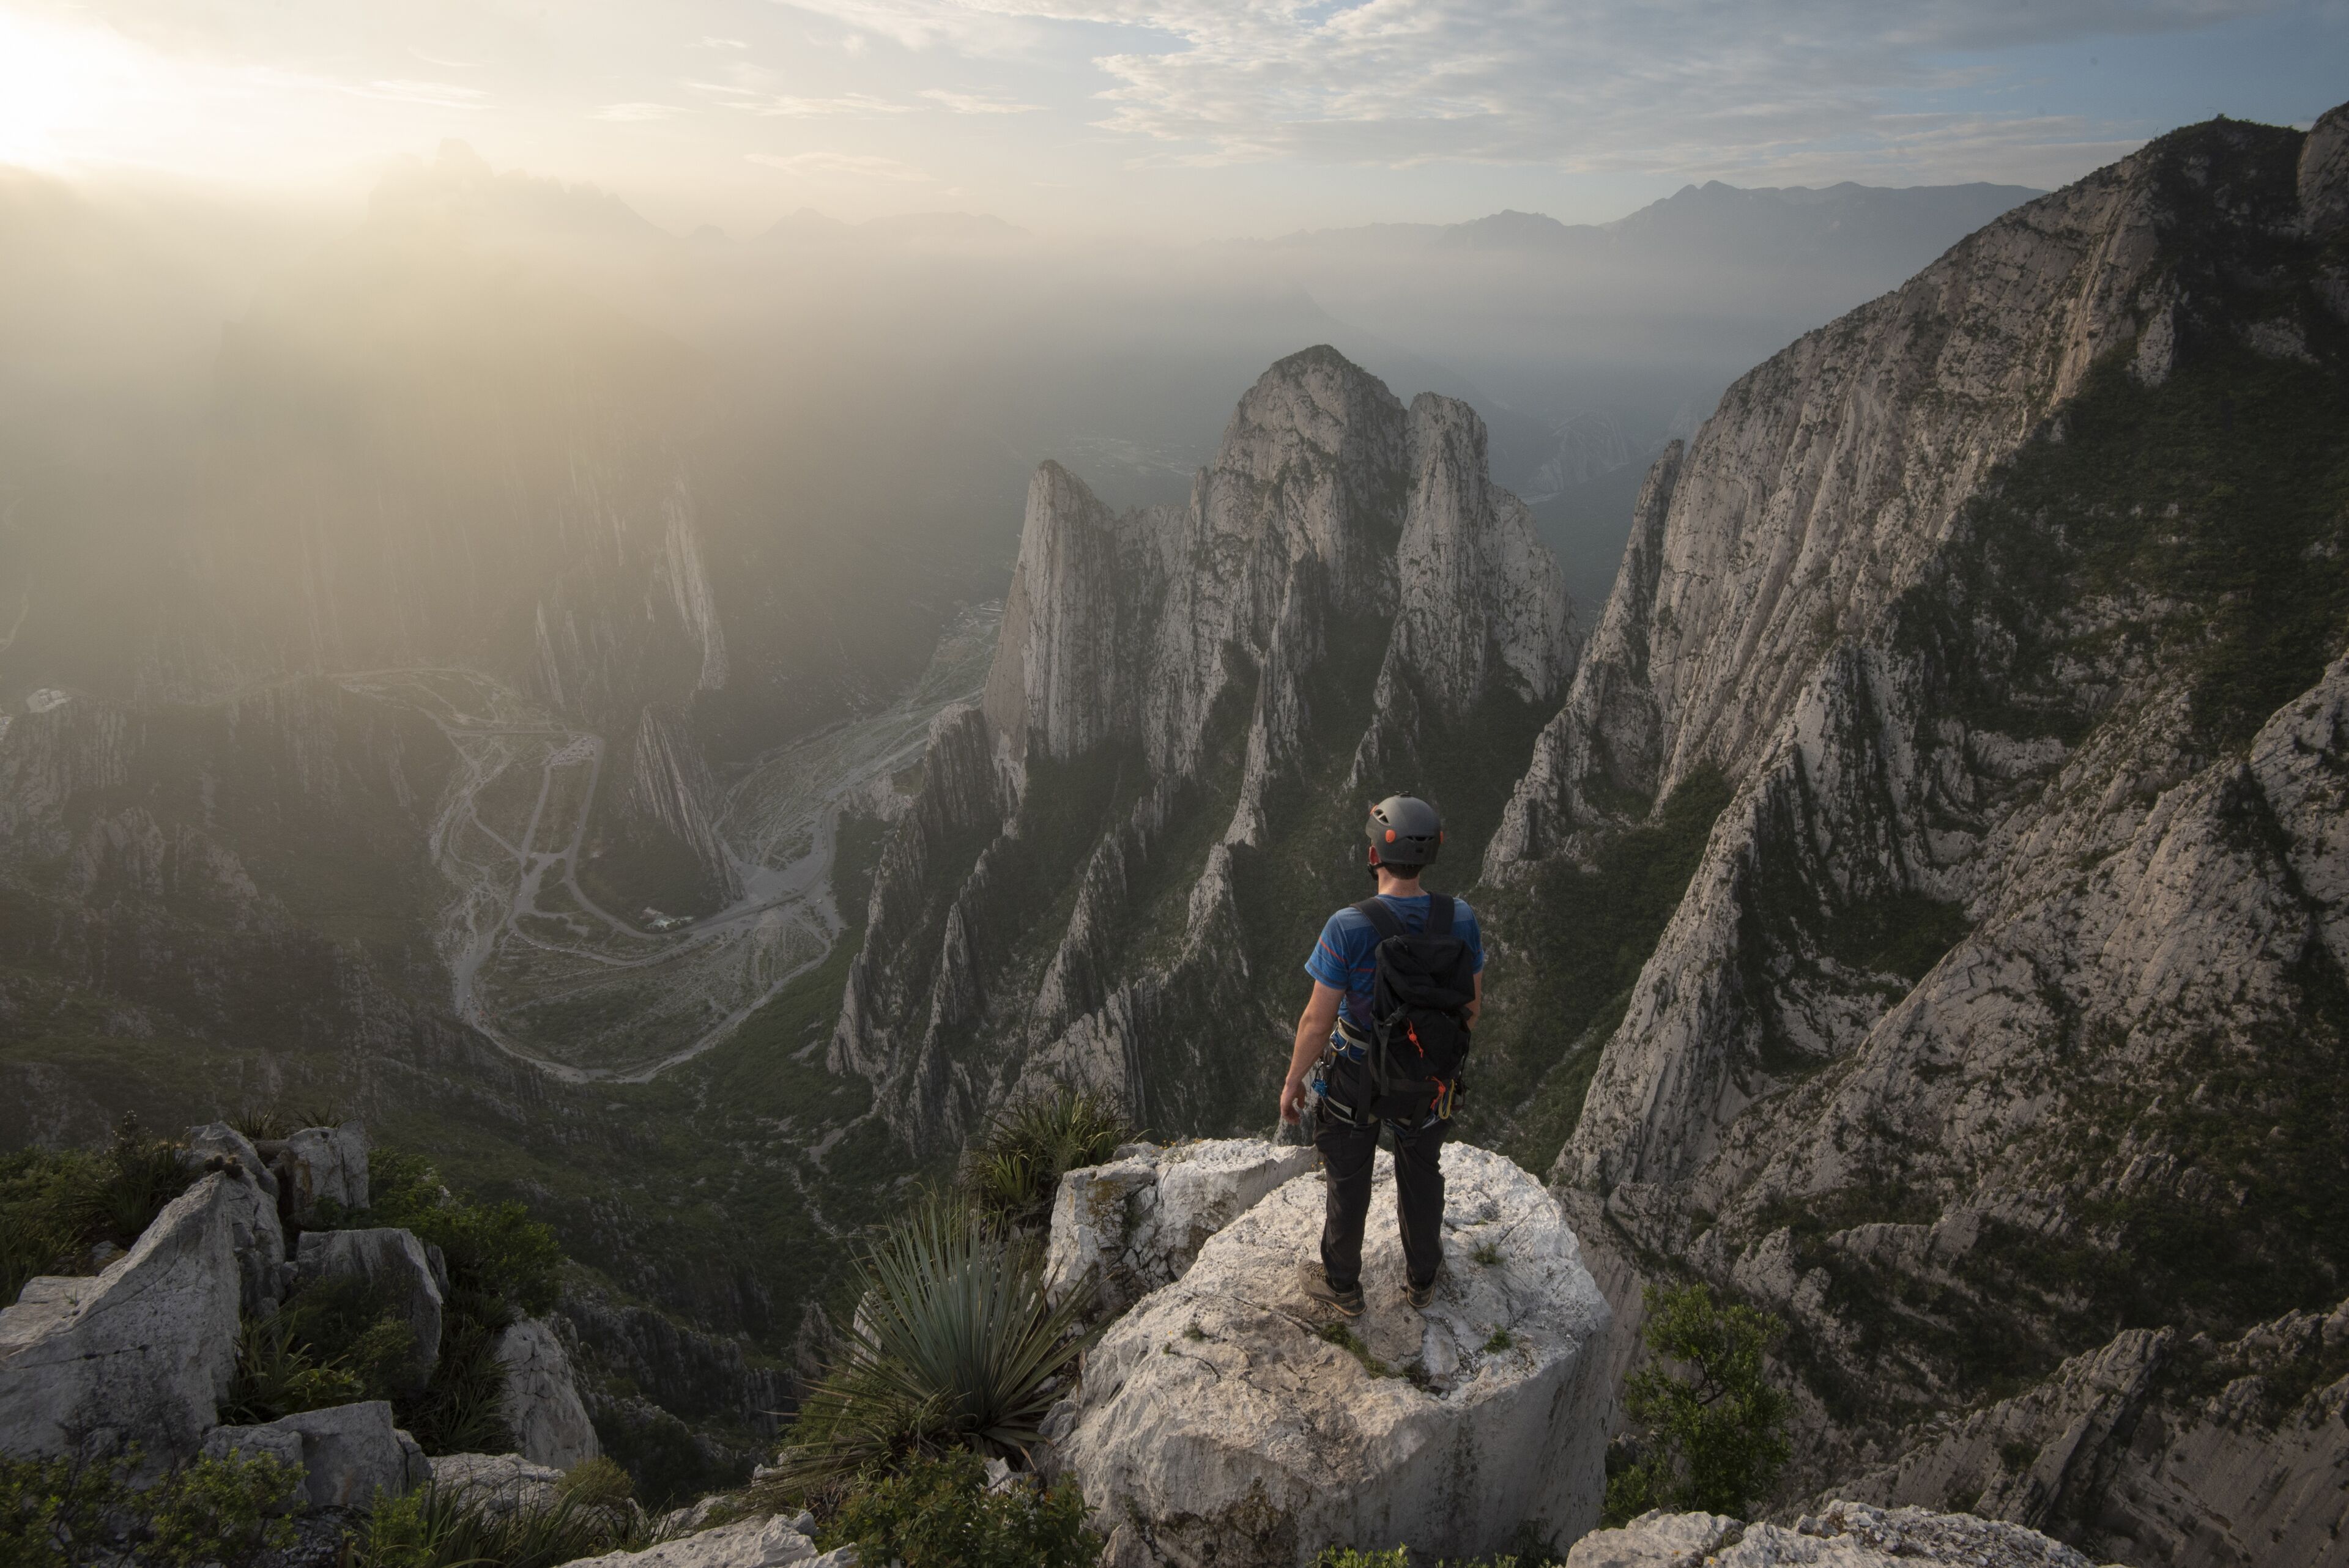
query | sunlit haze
(1191,117)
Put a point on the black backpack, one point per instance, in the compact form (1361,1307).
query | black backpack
(1418,1012)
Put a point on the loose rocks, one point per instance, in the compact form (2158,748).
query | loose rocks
(1845,1535)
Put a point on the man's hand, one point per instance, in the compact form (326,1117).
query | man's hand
(1313,1026)
(1292,1100)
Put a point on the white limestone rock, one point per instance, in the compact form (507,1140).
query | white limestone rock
(1217,1425)
(746,1544)
(543,1409)
(258,1234)
(350,1454)
(322,1165)
(141,1353)
(393,1264)
(1127,1227)
(502,1483)
(1841,1535)
(283,1444)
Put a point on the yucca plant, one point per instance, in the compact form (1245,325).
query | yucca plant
(1017,1164)
(955,1346)
(454,1527)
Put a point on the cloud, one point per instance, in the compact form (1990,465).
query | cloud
(708,41)
(627,113)
(439,95)
(853,165)
(966,103)
(1660,86)
(785,107)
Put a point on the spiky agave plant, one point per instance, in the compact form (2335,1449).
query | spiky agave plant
(955,1346)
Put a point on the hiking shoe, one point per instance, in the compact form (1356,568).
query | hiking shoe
(1419,1296)
(1317,1286)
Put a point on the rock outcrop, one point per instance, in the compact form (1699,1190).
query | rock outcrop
(2161,1448)
(747,1543)
(393,1266)
(1177,695)
(1225,1419)
(1840,1535)
(542,1408)
(350,1455)
(141,1352)
(1121,1230)
(501,1483)
(256,1233)
(2028,898)
(321,1171)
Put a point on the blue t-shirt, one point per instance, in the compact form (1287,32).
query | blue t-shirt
(1347,956)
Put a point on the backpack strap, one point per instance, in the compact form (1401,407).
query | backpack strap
(1439,914)
(1384,920)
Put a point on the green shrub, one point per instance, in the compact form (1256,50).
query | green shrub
(140,1175)
(495,1251)
(61,1514)
(57,1203)
(278,1375)
(1712,1427)
(955,1346)
(1016,1166)
(217,1510)
(463,1410)
(438,1527)
(597,1483)
(937,1514)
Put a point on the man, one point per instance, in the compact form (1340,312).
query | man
(1335,1032)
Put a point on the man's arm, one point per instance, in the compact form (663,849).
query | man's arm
(1313,1029)
(1476,1003)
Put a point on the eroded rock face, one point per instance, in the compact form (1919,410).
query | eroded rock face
(257,1233)
(543,1409)
(1217,1424)
(1123,1229)
(322,1165)
(2158,1449)
(502,1483)
(1840,1535)
(351,1454)
(394,1266)
(142,1352)
(1344,578)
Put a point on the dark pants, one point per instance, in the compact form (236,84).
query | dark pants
(1346,1156)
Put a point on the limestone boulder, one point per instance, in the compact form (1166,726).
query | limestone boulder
(746,1544)
(258,1234)
(548,1418)
(1842,1536)
(321,1169)
(141,1353)
(1127,1227)
(502,1483)
(350,1453)
(1228,1418)
(270,1441)
(394,1267)
(347,1454)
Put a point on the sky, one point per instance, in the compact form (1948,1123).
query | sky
(1173,118)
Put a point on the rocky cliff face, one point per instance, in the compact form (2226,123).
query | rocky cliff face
(1181,700)
(1921,909)
(2004,1009)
